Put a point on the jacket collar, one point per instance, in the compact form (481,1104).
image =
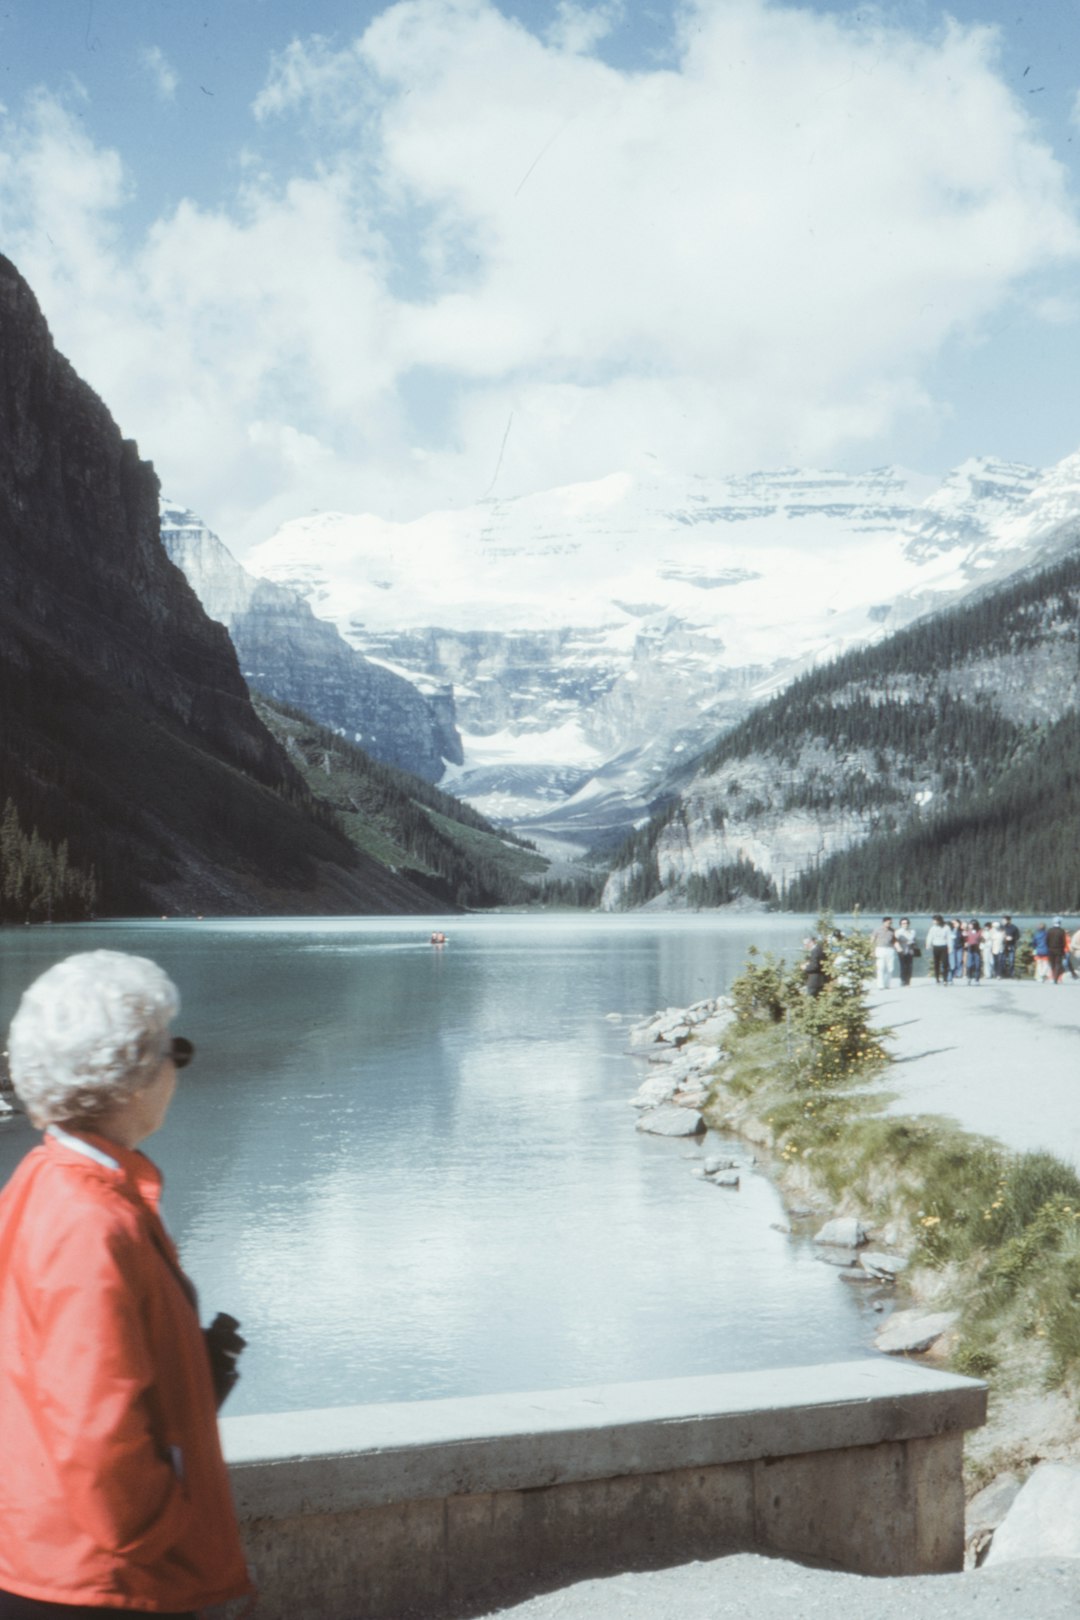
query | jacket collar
(119,1163)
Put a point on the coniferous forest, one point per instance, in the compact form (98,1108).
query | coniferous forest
(953,747)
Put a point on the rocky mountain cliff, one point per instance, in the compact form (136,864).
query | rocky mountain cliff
(288,653)
(598,636)
(129,749)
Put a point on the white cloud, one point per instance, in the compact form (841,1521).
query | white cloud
(749,256)
(165,78)
(581,28)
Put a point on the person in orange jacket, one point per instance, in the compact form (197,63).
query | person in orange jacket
(113,1491)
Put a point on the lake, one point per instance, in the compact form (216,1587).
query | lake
(413,1172)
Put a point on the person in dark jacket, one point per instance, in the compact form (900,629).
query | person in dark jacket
(1056,946)
(814,966)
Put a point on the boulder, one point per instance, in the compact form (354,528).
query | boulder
(909,1333)
(725,1178)
(657,1089)
(668,1120)
(845,1232)
(715,1163)
(985,1512)
(1044,1520)
(881,1265)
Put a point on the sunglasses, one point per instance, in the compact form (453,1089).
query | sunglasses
(181,1051)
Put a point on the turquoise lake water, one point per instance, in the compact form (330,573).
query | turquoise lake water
(413,1172)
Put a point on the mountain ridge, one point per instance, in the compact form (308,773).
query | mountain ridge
(130,752)
(599,636)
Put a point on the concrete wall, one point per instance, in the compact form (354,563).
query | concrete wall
(449,1508)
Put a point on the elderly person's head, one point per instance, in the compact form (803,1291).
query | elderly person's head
(90,1042)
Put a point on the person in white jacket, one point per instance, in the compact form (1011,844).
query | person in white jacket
(905,949)
(938,943)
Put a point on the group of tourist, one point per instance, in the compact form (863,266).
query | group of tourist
(970,951)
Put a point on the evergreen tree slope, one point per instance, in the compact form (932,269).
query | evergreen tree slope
(442,846)
(937,768)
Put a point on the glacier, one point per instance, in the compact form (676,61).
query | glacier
(597,637)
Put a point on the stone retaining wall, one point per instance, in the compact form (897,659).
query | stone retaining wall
(449,1508)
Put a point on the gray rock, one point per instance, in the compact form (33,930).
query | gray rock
(855,1274)
(715,1163)
(880,1264)
(908,1333)
(725,1178)
(845,1232)
(838,1257)
(657,1089)
(669,1120)
(985,1512)
(1044,1520)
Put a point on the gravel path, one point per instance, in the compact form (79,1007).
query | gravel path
(1002,1058)
(771,1589)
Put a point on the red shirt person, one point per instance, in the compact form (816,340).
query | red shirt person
(113,1491)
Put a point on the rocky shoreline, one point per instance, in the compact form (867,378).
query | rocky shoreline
(684,1047)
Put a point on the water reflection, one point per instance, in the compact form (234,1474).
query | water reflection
(413,1172)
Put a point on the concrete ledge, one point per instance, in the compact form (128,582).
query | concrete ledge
(435,1507)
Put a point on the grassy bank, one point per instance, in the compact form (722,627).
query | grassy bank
(991,1234)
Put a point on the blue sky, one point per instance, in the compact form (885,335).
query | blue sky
(409,256)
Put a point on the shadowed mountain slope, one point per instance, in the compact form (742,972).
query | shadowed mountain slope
(128,743)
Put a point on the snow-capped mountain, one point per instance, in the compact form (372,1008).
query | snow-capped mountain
(594,635)
(290,654)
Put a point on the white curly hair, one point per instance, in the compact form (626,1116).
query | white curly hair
(88,1034)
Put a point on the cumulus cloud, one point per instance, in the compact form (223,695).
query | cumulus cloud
(164,77)
(515,265)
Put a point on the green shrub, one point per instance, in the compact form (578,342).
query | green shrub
(764,991)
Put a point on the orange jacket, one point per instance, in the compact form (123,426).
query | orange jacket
(113,1491)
